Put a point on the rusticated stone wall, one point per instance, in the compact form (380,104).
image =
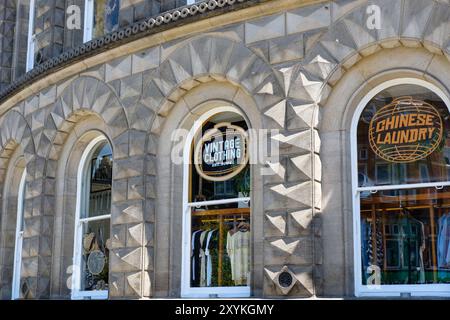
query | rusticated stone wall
(288,63)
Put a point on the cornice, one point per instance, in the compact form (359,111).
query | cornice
(187,20)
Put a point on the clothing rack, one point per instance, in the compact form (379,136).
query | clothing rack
(213,220)
(408,208)
(411,197)
(220,214)
(433,210)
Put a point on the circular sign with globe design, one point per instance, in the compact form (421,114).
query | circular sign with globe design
(405,130)
(222,152)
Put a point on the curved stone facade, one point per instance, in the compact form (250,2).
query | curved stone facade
(295,71)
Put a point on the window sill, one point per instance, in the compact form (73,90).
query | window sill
(90,295)
(216,292)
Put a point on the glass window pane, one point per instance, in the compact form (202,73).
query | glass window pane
(406,234)
(220,234)
(106,17)
(94,262)
(403,138)
(220,246)
(99,202)
(203,189)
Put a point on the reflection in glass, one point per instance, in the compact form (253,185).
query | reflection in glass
(100,182)
(220,246)
(236,187)
(433,168)
(406,233)
(96,233)
(95,255)
(220,232)
(106,17)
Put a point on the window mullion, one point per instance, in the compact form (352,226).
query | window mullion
(97,218)
(403,186)
(217,202)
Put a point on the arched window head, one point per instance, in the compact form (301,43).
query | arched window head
(402,138)
(401,176)
(92,229)
(217,219)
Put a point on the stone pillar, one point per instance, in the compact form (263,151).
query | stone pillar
(39,202)
(131,264)
(7,242)
(292,194)
(131,257)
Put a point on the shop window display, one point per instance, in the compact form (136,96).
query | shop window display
(404,197)
(220,221)
(93,229)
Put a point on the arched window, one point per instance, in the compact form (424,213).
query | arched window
(401,183)
(18,239)
(217,220)
(92,222)
(100,17)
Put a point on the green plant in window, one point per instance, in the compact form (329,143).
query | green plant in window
(242,182)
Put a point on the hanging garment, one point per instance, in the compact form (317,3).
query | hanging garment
(238,246)
(443,242)
(225,266)
(213,255)
(196,258)
(203,258)
(364,244)
(410,240)
(375,255)
(208,257)
(421,250)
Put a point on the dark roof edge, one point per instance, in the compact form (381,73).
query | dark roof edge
(137,30)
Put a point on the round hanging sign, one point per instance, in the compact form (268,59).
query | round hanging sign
(405,130)
(96,262)
(222,152)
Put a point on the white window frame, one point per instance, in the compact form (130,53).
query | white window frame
(82,196)
(31,45)
(422,290)
(186,290)
(88,20)
(15,294)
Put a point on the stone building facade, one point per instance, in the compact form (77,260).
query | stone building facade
(298,67)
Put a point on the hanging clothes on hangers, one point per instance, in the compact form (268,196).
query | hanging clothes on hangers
(364,243)
(203,238)
(375,255)
(443,241)
(412,244)
(421,249)
(208,254)
(238,245)
(195,256)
